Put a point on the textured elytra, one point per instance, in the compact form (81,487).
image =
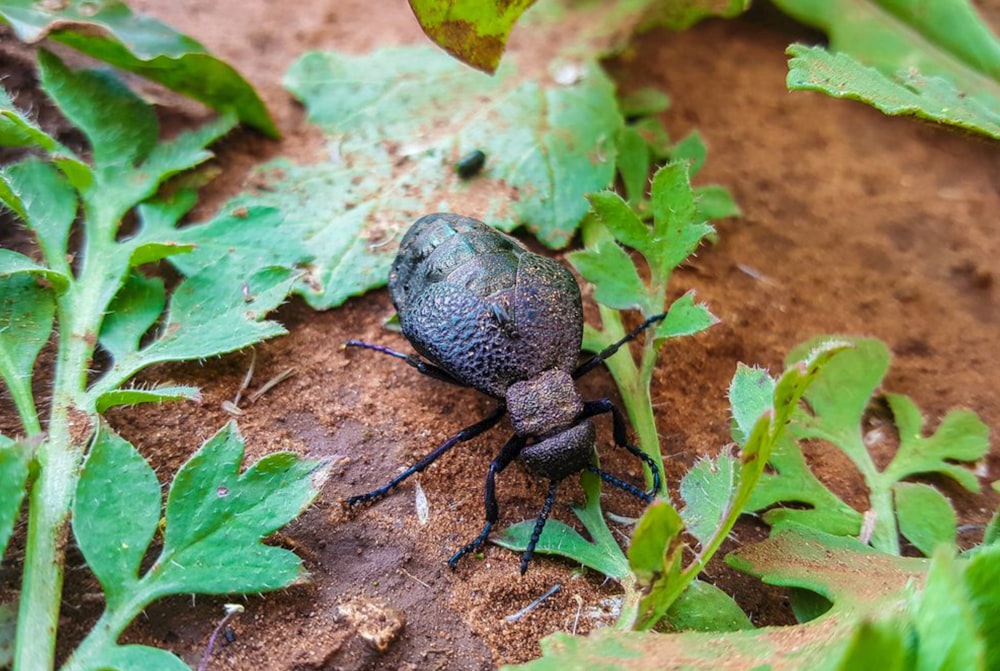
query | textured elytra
(483,308)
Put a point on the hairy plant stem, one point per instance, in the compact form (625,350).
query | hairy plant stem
(79,313)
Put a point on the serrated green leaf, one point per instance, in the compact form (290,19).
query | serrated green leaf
(676,230)
(135,308)
(135,396)
(943,38)
(217,516)
(705,607)
(111,32)
(115,513)
(620,220)
(707,490)
(84,97)
(907,93)
(945,621)
(48,207)
(26,316)
(473,31)
(14,458)
(218,310)
(684,317)
(962,436)
(925,516)
(616,281)
(751,394)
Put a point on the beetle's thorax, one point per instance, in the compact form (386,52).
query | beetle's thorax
(544,405)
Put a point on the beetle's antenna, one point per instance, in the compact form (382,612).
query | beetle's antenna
(550,500)
(610,350)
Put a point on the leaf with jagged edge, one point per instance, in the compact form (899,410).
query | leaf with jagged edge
(27,311)
(905,93)
(111,32)
(216,517)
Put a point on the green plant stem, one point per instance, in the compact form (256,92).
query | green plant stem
(79,311)
(106,631)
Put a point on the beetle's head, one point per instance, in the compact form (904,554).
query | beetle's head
(543,405)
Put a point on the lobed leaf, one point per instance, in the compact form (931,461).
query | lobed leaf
(135,308)
(707,490)
(111,32)
(27,311)
(925,516)
(216,517)
(47,204)
(684,317)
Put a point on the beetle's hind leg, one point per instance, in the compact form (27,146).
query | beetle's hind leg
(507,454)
(610,350)
(422,366)
(468,433)
(592,408)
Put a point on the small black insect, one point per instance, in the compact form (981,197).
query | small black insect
(470,164)
(487,313)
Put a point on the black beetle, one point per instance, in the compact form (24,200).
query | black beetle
(470,164)
(487,313)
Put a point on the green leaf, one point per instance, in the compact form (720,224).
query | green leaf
(134,658)
(935,38)
(47,204)
(135,396)
(676,230)
(85,96)
(616,281)
(634,161)
(135,308)
(751,394)
(12,263)
(682,14)
(26,315)
(8,631)
(707,491)
(644,102)
(962,436)
(14,458)
(906,93)
(705,607)
(654,541)
(945,620)
(473,31)
(715,202)
(115,514)
(926,517)
(685,317)
(690,148)
(112,33)
(981,579)
(217,516)
(877,646)
(218,310)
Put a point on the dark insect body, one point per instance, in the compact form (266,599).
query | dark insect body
(487,313)
(471,164)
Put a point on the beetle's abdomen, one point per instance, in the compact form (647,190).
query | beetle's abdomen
(482,307)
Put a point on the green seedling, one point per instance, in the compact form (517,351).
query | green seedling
(101,297)
(109,31)
(835,409)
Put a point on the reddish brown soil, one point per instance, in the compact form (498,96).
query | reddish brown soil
(853,223)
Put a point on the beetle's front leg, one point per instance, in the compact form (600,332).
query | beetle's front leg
(507,454)
(592,408)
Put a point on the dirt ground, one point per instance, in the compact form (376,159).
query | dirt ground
(853,223)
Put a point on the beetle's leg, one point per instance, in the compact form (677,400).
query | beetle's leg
(507,454)
(543,515)
(465,434)
(610,350)
(591,408)
(424,367)
(621,484)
